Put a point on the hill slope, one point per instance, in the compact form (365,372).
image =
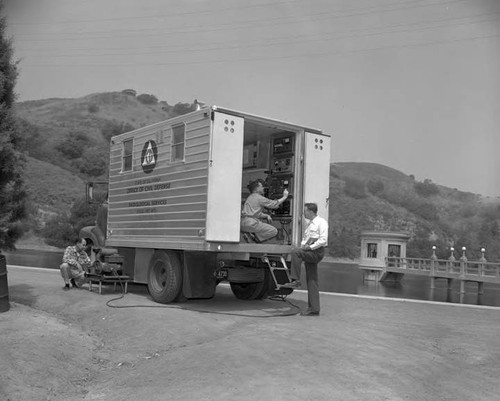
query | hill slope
(368,196)
(50,187)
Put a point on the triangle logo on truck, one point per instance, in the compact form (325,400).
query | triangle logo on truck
(149,156)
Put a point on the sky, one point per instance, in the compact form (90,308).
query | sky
(411,84)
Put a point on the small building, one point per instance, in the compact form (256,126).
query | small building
(376,246)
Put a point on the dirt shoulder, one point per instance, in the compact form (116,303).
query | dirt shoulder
(72,346)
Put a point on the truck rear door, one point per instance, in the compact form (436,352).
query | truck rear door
(224,178)
(317,171)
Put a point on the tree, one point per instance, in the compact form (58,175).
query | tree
(12,194)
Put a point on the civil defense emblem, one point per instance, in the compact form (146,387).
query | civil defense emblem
(149,156)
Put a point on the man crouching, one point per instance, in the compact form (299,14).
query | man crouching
(75,264)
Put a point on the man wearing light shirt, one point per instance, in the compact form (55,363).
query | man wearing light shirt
(311,251)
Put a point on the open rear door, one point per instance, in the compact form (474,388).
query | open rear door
(224,178)
(317,171)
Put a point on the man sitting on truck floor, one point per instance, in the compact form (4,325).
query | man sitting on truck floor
(75,264)
(253,212)
(311,251)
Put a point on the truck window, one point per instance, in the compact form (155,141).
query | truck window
(178,134)
(127,155)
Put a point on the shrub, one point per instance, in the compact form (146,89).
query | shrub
(344,244)
(130,92)
(375,186)
(74,145)
(94,162)
(58,231)
(112,128)
(354,188)
(147,99)
(182,108)
(62,229)
(93,108)
(426,188)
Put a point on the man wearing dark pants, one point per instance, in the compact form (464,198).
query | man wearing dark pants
(311,252)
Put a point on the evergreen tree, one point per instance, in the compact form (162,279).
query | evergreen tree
(12,195)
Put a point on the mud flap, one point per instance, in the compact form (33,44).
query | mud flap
(199,279)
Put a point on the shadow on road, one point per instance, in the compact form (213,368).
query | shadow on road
(23,294)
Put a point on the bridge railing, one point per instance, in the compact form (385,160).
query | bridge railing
(444,267)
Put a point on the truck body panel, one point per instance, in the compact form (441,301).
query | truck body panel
(194,202)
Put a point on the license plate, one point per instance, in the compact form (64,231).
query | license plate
(221,274)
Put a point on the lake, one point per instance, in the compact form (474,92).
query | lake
(333,277)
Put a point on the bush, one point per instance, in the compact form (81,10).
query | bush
(344,244)
(73,146)
(425,210)
(130,92)
(182,108)
(112,128)
(354,188)
(93,108)
(58,231)
(426,188)
(94,162)
(147,99)
(62,229)
(375,186)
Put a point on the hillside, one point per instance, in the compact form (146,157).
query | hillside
(67,142)
(51,187)
(74,134)
(368,196)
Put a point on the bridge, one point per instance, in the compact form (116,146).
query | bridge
(450,269)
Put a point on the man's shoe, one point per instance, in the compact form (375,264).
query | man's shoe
(66,287)
(309,313)
(292,284)
(73,283)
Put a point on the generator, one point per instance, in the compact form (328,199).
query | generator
(107,262)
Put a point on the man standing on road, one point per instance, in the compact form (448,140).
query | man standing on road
(75,264)
(311,251)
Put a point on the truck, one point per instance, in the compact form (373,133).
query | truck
(175,193)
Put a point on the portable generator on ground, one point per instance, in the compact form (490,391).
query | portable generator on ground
(107,262)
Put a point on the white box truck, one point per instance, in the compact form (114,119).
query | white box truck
(175,195)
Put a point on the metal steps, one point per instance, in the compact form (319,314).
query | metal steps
(278,268)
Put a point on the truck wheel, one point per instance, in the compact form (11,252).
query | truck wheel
(250,291)
(164,277)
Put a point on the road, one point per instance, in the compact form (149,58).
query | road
(58,345)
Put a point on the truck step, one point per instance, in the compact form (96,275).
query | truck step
(278,268)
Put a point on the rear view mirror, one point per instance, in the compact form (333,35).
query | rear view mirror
(96,192)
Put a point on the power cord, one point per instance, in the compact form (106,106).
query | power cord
(282,298)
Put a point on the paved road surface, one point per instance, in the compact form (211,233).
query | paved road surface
(360,348)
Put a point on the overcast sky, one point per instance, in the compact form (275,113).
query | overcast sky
(414,85)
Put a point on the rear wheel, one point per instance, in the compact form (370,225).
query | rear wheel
(250,291)
(164,276)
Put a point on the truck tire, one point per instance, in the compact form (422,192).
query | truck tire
(251,291)
(164,277)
